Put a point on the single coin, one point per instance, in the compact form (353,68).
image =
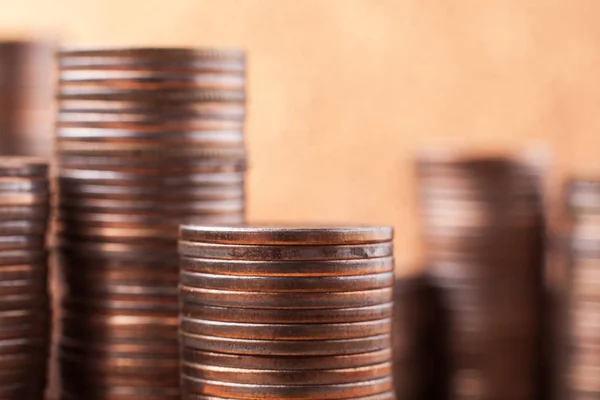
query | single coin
(135,347)
(11,243)
(113,109)
(33,272)
(296,235)
(147,149)
(229,159)
(300,331)
(115,392)
(22,166)
(94,92)
(286,284)
(202,53)
(136,220)
(129,305)
(380,396)
(13,185)
(208,206)
(275,392)
(230,314)
(321,268)
(286,377)
(21,257)
(227,298)
(285,252)
(285,347)
(166,290)
(22,227)
(126,179)
(298,363)
(24,199)
(38,212)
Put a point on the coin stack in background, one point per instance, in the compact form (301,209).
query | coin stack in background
(146,139)
(27,96)
(583,297)
(24,300)
(417,333)
(286,313)
(483,229)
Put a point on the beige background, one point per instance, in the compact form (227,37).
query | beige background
(342,91)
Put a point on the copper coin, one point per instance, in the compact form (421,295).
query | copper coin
(22,242)
(20,257)
(297,363)
(226,298)
(32,272)
(275,392)
(266,331)
(135,289)
(36,212)
(287,377)
(380,396)
(93,92)
(226,161)
(126,179)
(191,206)
(166,120)
(15,184)
(252,315)
(22,227)
(296,235)
(23,166)
(163,347)
(296,252)
(285,347)
(159,53)
(321,268)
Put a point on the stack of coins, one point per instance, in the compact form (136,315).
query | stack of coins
(417,333)
(583,305)
(147,139)
(24,300)
(286,313)
(483,229)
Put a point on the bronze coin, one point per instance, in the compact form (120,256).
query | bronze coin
(285,347)
(380,396)
(264,331)
(22,166)
(286,377)
(160,53)
(191,206)
(224,161)
(320,268)
(252,315)
(298,363)
(93,92)
(274,392)
(166,290)
(37,212)
(283,252)
(296,235)
(227,298)
(23,257)
(24,272)
(22,227)
(149,348)
(126,179)
(286,284)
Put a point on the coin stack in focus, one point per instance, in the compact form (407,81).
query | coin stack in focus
(583,301)
(286,313)
(417,333)
(483,228)
(24,300)
(147,139)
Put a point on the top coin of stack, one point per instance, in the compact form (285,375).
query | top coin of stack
(286,312)
(24,303)
(146,139)
(583,305)
(483,229)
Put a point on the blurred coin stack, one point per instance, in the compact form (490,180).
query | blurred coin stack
(286,313)
(146,139)
(24,300)
(416,340)
(583,296)
(483,229)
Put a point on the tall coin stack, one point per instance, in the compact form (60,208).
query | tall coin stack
(483,231)
(286,313)
(583,305)
(147,139)
(24,300)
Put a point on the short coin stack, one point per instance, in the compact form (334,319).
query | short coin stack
(24,301)
(483,230)
(286,313)
(146,139)
(583,305)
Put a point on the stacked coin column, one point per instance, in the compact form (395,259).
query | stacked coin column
(482,229)
(583,302)
(286,313)
(147,139)
(24,300)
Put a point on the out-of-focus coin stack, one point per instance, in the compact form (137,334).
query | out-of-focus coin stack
(417,333)
(483,230)
(146,139)
(24,300)
(286,313)
(583,296)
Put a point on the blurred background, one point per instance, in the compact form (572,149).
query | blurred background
(342,91)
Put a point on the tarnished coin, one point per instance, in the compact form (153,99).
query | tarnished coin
(23,227)
(94,92)
(266,331)
(296,235)
(287,284)
(257,315)
(274,392)
(18,212)
(319,268)
(298,252)
(225,298)
(20,166)
(285,347)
